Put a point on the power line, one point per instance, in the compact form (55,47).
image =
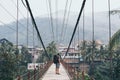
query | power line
(82,7)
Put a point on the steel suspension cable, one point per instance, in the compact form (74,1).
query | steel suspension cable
(111,62)
(11,28)
(27,27)
(34,23)
(47,5)
(83,29)
(56,21)
(33,42)
(93,40)
(18,9)
(64,19)
(7,11)
(93,27)
(51,18)
(82,7)
(22,14)
(17,25)
(66,24)
(83,43)
(11,14)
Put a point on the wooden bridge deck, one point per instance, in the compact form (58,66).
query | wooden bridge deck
(50,74)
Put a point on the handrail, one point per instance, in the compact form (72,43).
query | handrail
(35,74)
(70,70)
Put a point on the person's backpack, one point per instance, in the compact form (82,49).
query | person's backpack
(55,59)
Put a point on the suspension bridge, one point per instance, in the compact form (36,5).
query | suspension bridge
(82,59)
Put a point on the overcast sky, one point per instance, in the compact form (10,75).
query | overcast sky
(40,7)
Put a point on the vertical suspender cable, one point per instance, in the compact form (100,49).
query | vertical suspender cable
(78,46)
(51,18)
(83,43)
(93,41)
(34,23)
(78,50)
(83,29)
(66,28)
(64,20)
(74,53)
(111,67)
(17,25)
(82,7)
(47,6)
(66,24)
(92,26)
(27,27)
(17,36)
(56,21)
(33,43)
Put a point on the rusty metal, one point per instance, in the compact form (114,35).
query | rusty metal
(71,70)
(35,74)
(28,75)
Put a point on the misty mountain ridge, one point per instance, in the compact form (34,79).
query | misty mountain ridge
(101,24)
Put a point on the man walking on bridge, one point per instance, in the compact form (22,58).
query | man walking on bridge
(56,60)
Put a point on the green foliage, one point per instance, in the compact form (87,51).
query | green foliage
(7,60)
(80,76)
(42,58)
(116,65)
(26,57)
(102,71)
(52,49)
(23,58)
(108,70)
(115,41)
(12,62)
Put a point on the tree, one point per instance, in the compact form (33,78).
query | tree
(26,56)
(7,60)
(115,41)
(51,49)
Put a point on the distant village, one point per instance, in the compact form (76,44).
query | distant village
(74,54)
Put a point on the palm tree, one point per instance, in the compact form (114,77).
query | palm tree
(52,49)
(114,43)
(104,68)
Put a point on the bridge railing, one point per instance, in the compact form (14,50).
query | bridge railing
(35,74)
(70,70)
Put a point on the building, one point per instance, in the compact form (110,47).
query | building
(73,55)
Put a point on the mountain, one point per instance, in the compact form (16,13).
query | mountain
(101,25)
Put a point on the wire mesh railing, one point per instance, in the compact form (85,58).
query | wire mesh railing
(70,70)
(35,74)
